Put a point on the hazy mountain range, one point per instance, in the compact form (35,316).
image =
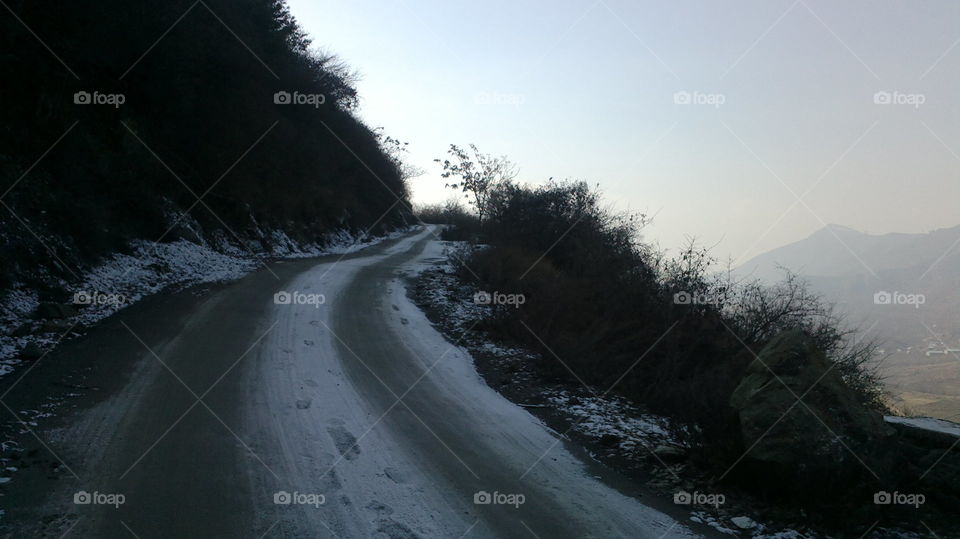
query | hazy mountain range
(839,251)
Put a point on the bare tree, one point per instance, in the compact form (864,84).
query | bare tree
(397,151)
(479,173)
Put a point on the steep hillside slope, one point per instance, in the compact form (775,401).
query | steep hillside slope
(129,121)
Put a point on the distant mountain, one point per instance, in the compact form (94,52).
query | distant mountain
(849,268)
(836,250)
(903,289)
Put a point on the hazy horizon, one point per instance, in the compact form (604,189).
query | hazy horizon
(789,89)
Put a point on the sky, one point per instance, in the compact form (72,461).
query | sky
(746,125)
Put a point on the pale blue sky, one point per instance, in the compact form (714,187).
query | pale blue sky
(585,90)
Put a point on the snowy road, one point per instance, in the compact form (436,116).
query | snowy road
(355,414)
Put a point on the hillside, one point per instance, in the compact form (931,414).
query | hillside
(213,122)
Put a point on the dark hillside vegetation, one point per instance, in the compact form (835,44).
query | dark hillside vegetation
(198,119)
(726,360)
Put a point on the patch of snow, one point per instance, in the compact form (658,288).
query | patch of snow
(709,520)
(335,243)
(612,416)
(783,534)
(15,308)
(605,417)
(151,268)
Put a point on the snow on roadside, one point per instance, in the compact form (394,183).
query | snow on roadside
(17,307)
(118,282)
(123,279)
(597,416)
(621,429)
(334,243)
(614,418)
(150,269)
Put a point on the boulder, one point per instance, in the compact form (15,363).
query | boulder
(828,431)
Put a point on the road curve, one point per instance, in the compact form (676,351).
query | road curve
(350,417)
